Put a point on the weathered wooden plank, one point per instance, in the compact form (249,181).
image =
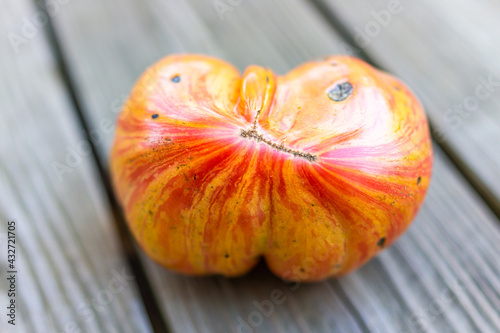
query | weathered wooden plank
(441,276)
(71,274)
(447,51)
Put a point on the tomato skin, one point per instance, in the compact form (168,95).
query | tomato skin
(316,171)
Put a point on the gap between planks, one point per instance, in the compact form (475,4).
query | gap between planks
(479,185)
(197,300)
(126,240)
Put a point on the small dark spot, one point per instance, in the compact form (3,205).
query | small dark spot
(267,78)
(176,78)
(227,255)
(302,269)
(312,205)
(381,242)
(294,241)
(194,177)
(397,88)
(150,212)
(168,139)
(237,202)
(419,179)
(155,116)
(340,92)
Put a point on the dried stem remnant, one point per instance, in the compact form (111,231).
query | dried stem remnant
(253,134)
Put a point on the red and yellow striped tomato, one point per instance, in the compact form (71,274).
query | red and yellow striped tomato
(316,170)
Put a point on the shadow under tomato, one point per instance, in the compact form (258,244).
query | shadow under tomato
(256,302)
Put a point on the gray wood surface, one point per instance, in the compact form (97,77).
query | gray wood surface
(442,276)
(448,52)
(71,273)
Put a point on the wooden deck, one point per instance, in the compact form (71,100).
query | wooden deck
(78,269)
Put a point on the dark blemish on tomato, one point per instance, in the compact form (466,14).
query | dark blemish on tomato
(155,116)
(302,270)
(419,179)
(340,92)
(227,255)
(267,79)
(176,78)
(168,139)
(397,88)
(312,205)
(381,242)
(194,177)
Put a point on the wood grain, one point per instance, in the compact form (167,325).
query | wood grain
(441,276)
(447,51)
(72,275)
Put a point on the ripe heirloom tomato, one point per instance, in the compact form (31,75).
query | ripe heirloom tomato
(315,171)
